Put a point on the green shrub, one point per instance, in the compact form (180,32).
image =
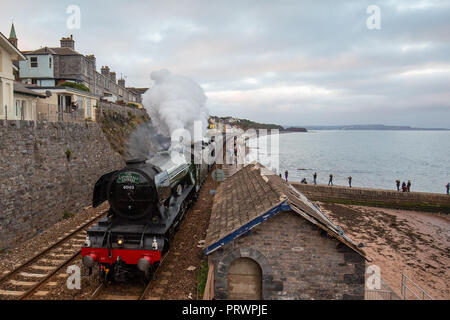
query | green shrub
(67,214)
(74,85)
(68,154)
(202,276)
(133,105)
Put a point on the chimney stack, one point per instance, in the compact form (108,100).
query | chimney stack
(121,82)
(91,57)
(67,42)
(113,76)
(105,71)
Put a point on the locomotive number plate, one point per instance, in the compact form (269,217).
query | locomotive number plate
(128,177)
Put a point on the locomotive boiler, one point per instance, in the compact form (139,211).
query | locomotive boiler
(148,199)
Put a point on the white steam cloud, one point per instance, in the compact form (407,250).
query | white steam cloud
(175,102)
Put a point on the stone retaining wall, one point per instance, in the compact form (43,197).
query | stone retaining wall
(377,197)
(126,111)
(48,169)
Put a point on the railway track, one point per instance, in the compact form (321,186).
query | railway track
(139,291)
(29,278)
(123,291)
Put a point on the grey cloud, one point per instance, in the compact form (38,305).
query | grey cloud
(246,46)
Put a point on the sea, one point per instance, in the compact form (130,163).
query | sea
(374,159)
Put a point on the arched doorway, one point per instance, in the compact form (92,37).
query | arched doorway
(244,280)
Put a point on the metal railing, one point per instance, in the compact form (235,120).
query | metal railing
(411,290)
(50,112)
(373,294)
(384,292)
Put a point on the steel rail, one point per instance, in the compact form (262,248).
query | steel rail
(147,287)
(97,291)
(48,249)
(33,289)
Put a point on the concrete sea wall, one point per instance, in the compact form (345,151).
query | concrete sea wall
(377,197)
(48,169)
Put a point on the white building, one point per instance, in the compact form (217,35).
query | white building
(8,54)
(25,103)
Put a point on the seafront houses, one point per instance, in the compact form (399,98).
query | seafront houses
(50,66)
(65,81)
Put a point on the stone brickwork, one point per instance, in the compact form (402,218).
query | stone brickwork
(47,169)
(125,111)
(298,261)
(389,198)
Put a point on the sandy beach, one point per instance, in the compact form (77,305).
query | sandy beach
(398,241)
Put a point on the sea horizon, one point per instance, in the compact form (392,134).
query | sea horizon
(373,158)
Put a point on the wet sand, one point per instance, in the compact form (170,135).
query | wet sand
(398,241)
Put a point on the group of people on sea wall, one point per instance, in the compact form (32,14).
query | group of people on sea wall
(330,181)
(405,186)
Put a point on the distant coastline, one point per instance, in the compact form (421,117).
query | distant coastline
(373,127)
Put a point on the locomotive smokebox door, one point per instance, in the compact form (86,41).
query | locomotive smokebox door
(132,193)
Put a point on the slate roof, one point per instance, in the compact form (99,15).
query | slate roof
(255,194)
(137,90)
(20,88)
(62,51)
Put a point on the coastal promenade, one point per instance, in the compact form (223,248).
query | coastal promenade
(421,201)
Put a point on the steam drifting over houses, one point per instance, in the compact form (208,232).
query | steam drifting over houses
(50,66)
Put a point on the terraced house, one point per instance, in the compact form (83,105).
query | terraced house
(51,66)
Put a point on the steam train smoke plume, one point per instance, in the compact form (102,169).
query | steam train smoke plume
(144,142)
(175,102)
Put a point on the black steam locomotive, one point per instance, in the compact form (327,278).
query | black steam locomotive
(148,199)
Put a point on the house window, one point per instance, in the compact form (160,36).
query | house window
(23,110)
(88,108)
(50,62)
(80,101)
(34,62)
(18,106)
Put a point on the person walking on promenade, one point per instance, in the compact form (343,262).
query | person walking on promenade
(286,173)
(408,186)
(448,187)
(280,176)
(397,182)
(350,181)
(404,189)
(315,177)
(330,182)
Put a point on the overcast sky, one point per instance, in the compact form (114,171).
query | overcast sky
(286,62)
